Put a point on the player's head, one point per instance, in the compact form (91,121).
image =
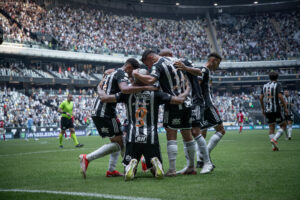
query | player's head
(166,53)
(149,57)
(286,93)
(214,61)
(137,81)
(130,65)
(30,116)
(273,76)
(240,111)
(70,97)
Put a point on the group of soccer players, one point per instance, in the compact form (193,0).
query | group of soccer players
(185,92)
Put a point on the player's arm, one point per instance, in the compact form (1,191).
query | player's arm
(192,70)
(126,89)
(108,98)
(261,100)
(60,109)
(280,96)
(146,79)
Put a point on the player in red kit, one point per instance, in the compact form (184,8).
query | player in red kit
(240,119)
(2,130)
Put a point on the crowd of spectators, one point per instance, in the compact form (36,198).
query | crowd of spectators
(255,72)
(259,37)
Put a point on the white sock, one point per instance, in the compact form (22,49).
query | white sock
(202,148)
(113,161)
(290,129)
(172,153)
(271,137)
(213,141)
(199,153)
(278,134)
(103,151)
(189,150)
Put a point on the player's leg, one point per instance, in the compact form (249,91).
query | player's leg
(172,150)
(200,161)
(202,149)
(282,123)
(73,136)
(189,151)
(132,153)
(241,127)
(60,137)
(271,135)
(114,156)
(216,137)
(290,129)
(152,153)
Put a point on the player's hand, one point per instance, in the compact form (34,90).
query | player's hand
(135,72)
(69,114)
(180,65)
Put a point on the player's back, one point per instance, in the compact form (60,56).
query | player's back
(271,100)
(205,85)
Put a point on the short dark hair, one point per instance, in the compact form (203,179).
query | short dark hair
(273,76)
(146,53)
(215,55)
(133,62)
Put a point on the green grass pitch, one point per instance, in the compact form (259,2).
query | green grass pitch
(246,168)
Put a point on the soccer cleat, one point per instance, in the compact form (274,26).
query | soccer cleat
(275,149)
(79,145)
(170,173)
(189,171)
(159,172)
(274,143)
(290,138)
(61,146)
(144,165)
(130,170)
(114,173)
(84,163)
(207,168)
(200,164)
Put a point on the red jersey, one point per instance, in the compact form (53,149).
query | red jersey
(240,117)
(1,124)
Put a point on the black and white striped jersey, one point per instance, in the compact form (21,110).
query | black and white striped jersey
(205,86)
(110,86)
(142,114)
(289,102)
(271,101)
(171,80)
(197,94)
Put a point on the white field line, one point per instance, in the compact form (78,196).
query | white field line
(38,152)
(82,194)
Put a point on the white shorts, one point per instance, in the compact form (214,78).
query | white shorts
(2,130)
(241,123)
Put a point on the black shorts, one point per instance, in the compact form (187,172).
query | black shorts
(197,115)
(136,150)
(66,123)
(275,118)
(211,118)
(107,127)
(289,117)
(176,118)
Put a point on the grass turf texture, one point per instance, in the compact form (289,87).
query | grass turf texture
(246,168)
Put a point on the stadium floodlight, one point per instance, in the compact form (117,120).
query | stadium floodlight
(215,4)
(255,2)
(142,1)
(177,4)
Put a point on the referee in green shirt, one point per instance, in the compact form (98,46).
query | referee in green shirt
(66,110)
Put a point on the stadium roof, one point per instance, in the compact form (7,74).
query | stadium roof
(178,8)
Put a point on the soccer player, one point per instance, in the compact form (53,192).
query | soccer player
(105,119)
(211,115)
(269,100)
(142,137)
(176,117)
(66,110)
(240,119)
(2,128)
(197,109)
(289,117)
(30,127)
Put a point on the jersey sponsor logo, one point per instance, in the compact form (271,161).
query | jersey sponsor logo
(104,130)
(176,121)
(141,139)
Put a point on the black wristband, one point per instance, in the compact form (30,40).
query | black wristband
(64,113)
